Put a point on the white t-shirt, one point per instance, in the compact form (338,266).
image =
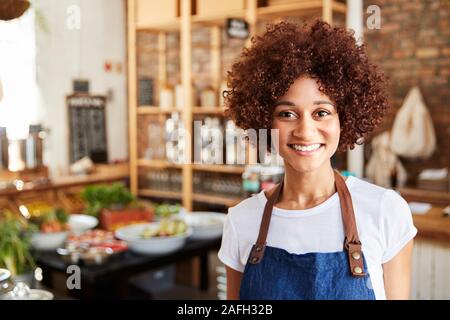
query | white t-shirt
(383,219)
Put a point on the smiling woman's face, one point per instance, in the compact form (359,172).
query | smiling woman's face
(308,125)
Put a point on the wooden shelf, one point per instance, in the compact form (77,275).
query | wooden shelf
(290,9)
(160,164)
(155,110)
(195,110)
(222,168)
(163,164)
(339,7)
(226,201)
(441,198)
(172,25)
(217,19)
(298,9)
(208,110)
(159,194)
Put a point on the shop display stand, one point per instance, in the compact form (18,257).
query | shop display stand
(184,24)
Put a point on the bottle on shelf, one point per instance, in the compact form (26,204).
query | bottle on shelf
(166,97)
(208,97)
(179,96)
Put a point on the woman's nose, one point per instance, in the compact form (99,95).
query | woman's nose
(306,128)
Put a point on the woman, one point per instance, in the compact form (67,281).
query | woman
(315,235)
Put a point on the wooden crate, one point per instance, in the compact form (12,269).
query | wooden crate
(7,205)
(209,8)
(153,12)
(71,200)
(37,201)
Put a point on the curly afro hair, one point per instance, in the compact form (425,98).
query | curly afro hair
(287,51)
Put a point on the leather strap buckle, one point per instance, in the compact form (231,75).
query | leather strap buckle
(355,258)
(257,253)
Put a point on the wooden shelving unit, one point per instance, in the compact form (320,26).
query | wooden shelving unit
(158,164)
(184,24)
(218,168)
(229,202)
(155,110)
(160,194)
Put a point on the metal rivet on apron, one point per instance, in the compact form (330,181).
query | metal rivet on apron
(356,255)
(357,270)
(258,249)
(254,259)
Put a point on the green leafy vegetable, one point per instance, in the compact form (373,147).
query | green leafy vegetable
(103,196)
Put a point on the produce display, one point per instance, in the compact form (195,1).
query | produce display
(54,220)
(96,238)
(98,197)
(166,228)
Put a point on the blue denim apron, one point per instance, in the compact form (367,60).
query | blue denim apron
(275,274)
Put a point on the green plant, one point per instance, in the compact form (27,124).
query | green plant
(103,196)
(15,246)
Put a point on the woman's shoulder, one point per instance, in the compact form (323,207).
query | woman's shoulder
(247,207)
(365,189)
(375,197)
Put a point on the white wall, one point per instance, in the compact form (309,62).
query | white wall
(430,270)
(64,54)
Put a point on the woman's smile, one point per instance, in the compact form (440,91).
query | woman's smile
(307,149)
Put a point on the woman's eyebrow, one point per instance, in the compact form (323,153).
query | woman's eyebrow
(289,103)
(323,102)
(284,103)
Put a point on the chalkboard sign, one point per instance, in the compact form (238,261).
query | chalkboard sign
(87,125)
(145,92)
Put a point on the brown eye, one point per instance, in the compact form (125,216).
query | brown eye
(286,114)
(323,113)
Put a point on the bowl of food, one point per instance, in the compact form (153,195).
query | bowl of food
(165,236)
(49,230)
(79,223)
(205,224)
(92,247)
(167,211)
(88,255)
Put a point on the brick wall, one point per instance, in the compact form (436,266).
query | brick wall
(413,48)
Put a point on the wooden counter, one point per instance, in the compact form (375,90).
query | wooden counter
(433,225)
(71,181)
(61,191)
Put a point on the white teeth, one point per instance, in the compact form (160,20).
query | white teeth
(311,147)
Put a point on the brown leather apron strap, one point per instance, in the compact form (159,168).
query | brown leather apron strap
(352,244)
(258,249)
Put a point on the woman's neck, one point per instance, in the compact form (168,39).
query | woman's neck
(303,190)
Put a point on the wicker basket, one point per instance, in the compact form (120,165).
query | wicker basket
(11,9)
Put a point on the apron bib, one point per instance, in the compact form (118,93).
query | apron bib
(275,274)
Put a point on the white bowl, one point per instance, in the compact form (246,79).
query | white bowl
(154,245)
(205,224)
(48,241)
(80,223)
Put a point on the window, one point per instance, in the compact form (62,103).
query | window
(19,106)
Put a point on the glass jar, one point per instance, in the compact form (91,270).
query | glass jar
(6,283)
